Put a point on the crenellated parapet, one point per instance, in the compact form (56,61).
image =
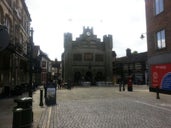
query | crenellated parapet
(87,29)
(88,35)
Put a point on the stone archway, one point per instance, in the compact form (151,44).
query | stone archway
(99,76)
(89,76)
(77,77)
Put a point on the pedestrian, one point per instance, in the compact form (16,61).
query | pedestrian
(45,88)
(59,83)
(69,85)
(129,82)
(157,92)
(120,84)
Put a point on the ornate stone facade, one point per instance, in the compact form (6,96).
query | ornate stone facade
(15,16)
(87,58)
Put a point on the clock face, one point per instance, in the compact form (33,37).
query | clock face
(88,33)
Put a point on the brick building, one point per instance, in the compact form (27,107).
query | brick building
(158,20)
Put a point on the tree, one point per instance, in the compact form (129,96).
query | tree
(135,52)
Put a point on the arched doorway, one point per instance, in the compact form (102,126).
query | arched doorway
(77,77)
(99,76)
(89,76)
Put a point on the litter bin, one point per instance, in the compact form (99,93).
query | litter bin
(22,113)
(17,116)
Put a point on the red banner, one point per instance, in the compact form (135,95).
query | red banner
(161,75)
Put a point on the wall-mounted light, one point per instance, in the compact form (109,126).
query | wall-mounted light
(142,36)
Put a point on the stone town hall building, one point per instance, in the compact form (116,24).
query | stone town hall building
(87,58)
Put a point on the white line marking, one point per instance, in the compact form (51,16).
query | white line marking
(48,122)
(153,105)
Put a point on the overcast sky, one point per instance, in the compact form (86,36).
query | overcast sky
(123,19)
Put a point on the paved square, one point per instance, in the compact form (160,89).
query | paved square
(106,107)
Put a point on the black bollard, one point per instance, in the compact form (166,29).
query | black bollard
(41,97)
(157,93)
(123,87)
(120,87)
(45,92)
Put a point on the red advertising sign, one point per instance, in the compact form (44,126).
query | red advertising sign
(161,76)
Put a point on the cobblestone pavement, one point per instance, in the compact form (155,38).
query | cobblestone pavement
(7,105)
(106,107)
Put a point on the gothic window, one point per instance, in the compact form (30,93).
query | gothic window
(88,56)
(21,39)
(8,24)
(77,57)
(99,58)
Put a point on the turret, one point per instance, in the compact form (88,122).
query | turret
(108,40)
(67,40)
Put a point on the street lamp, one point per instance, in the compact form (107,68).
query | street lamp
(142,36)
(31,63)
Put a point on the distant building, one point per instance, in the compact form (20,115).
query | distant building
(36,69)
(87,58)
(158,20)
(56,71)
(134,65)
(46,68)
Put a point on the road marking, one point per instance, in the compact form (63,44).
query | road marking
(44,122)
(153,105)
(48,122)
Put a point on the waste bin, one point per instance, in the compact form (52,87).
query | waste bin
(17,115)
(22,113)
(24,102)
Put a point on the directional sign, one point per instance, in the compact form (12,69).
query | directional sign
(4,37)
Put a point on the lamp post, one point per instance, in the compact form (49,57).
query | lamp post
(31,62)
